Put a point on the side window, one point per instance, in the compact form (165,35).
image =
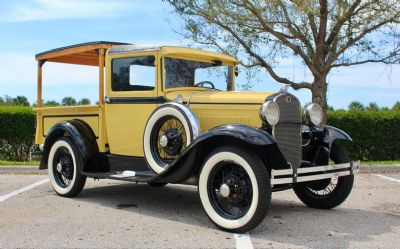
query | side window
(133,74)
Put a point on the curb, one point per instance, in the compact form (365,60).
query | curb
(21,170)
(381,168)
(34,170)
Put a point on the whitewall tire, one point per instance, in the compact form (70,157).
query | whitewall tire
(63,165)
(234,189)
(163,142)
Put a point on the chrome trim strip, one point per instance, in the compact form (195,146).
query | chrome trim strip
(293,176)
(309,178)
(312,169)
(281,172)
(323,168)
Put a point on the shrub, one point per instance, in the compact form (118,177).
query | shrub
(375,134)
(17,131)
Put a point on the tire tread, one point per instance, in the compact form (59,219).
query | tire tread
(263,182)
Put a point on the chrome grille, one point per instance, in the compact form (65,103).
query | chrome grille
(288,131)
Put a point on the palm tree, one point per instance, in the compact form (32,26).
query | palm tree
(355,105)
(84,101)
(68,101)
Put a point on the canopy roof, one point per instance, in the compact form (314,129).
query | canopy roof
(87,53)
(81,54)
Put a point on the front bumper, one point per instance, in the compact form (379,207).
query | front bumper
(307,174)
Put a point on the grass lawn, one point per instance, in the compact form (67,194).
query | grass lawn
(11,163)
(379,162)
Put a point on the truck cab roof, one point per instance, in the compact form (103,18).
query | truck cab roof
(87,53)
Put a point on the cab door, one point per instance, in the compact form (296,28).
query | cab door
(131,97)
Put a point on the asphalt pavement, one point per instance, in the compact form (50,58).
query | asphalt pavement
(112,214)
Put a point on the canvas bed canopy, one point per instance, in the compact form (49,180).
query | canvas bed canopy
(88,54)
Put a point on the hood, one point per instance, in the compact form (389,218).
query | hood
(219,97)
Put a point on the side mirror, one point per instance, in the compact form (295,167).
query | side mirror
(236,71)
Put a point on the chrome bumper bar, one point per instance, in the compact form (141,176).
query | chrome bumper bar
(286,176)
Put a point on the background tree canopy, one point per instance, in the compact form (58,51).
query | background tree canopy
(324,34)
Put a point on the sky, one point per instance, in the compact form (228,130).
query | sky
(28,27)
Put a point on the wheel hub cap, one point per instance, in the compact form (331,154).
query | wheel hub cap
(59,167)
(224,190)
(163,141)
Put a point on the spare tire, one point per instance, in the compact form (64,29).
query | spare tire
(169,130)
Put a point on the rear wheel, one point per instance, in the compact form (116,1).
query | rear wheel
(64,163)
(327,193)
(234,189)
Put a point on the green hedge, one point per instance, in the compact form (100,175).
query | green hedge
(375,134)
(17,131)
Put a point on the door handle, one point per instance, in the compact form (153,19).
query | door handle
(107,100)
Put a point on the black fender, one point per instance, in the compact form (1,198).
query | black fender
(80,133)
(192,157)
(322,138)
(333,133)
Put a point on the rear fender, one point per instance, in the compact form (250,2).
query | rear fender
(80,133)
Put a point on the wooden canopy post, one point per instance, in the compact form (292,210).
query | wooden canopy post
(39,83)
(101,76)
(88,54)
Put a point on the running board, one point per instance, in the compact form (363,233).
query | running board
(126,175)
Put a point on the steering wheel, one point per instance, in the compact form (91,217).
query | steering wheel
(202,83)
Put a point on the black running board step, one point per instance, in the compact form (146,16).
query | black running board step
(127,175)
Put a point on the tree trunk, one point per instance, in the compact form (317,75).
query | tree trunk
(319,91)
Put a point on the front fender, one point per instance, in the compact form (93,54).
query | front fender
(333,134)
(246,133)
(318,151)
(192,157)
(80,133)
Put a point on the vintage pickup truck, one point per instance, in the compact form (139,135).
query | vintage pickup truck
(172,115)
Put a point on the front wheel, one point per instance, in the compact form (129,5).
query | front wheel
(64,162)
(234,188)
(327,193)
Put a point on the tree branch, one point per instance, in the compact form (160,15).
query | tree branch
(341,20)
(383,60)
(351,42)
(320,42)
(295,48)
(263,63)
(311,21)
(296,30)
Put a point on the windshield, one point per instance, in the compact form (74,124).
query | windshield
(188,73)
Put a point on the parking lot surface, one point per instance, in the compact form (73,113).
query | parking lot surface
(112,214)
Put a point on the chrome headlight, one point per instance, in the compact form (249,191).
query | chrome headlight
(314,114)
(270,112)
(178,99)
